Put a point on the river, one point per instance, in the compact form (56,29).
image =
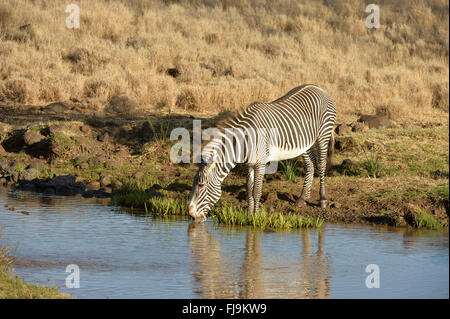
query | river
(119,254)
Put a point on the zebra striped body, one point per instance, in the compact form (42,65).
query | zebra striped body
(299,123)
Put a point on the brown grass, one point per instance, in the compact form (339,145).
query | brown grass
(229,53)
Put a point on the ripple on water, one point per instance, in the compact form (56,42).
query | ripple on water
(123,255)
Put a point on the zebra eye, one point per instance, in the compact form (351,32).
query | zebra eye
(201,184)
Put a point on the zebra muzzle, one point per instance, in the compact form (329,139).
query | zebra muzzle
(195,215)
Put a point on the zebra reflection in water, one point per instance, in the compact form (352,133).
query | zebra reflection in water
(217,275)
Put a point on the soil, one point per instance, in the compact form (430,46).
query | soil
(68,152)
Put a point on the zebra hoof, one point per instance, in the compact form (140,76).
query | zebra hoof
(323,203)
(300,203)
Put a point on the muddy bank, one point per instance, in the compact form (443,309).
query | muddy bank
(372,179)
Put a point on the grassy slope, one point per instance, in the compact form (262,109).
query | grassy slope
(11,286)
(229,54)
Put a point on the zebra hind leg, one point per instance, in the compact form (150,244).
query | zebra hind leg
(250,184)
(308,159)
(322,163)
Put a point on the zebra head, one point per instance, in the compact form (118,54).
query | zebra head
(205,191)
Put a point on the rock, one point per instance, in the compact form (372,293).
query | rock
(122,105)
(44,148)
(55,128)
(439,174)
(112,164)
(92,161)
(103,137)
(376,121)
(27,186)
(349,168)
(80,161)
(4,166)
(84,143)
(359,127)
(105,181)
(342,129)
(335,205)
(56,108)
(79,179)
(85,129)
(96,193)
(64,190)
(344,143)
(271,199)
(88,193)
(2,150)
(5,127)
(97,160)
(29,174)
(347,163)
(14,176)
(49,191)
(78,187)
(93,185)
(67,180)
(32,137)
(138,175)
(84,165)
(117,184)
(12,166)
(151,192)
(37,165)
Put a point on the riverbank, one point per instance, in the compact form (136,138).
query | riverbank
(13,287)
(382,173)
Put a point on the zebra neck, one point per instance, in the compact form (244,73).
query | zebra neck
(222,155)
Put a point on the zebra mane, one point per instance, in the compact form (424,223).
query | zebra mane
(293,92)
(233,117)
(224,122)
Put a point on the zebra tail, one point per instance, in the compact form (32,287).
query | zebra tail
(330,151)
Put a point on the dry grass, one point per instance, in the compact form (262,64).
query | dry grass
(228,54)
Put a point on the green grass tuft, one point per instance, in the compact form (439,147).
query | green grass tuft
(423,220)
(230,215)
(289,169)
(13,287)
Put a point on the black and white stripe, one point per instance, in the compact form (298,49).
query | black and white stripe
(299,123)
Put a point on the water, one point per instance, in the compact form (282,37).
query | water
(123,255)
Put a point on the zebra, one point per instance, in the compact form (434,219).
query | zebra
(299,123)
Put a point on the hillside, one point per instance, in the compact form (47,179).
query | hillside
(208,56)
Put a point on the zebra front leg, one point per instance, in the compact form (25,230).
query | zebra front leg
(257,186)
(323,150)
(308,158)
(250,183)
